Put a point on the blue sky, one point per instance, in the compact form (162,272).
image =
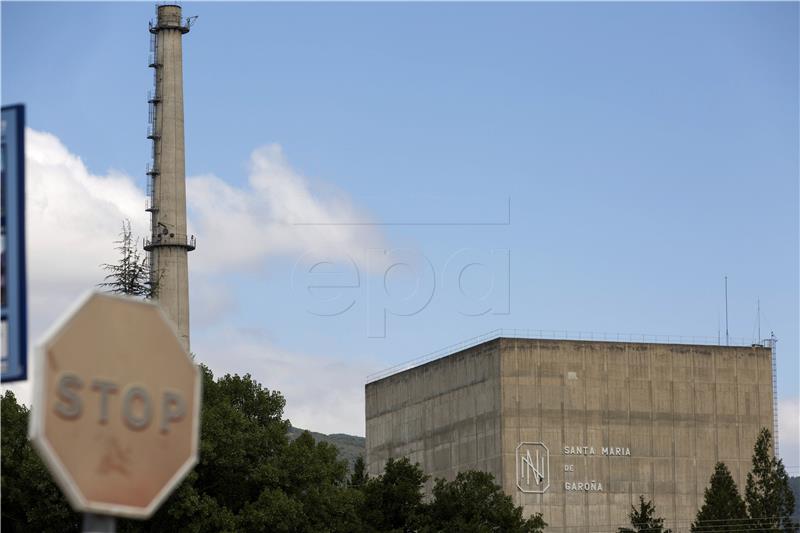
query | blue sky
(646,150)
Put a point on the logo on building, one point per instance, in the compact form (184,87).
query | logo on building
(533,467)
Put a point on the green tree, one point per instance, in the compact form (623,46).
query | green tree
(794,484)
(393,500)
(131,274)
(31,501)
(250,477)
(359,476)
(473,503)
(769,498)
(723,508)
(644,519)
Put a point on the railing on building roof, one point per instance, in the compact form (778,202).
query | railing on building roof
(555,335)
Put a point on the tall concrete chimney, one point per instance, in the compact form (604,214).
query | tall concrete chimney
(169,243)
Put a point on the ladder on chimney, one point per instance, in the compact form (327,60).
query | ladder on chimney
(772,342)
(153,100)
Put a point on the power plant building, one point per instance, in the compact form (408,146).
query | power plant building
(578,430)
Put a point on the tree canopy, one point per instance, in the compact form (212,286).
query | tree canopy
(252,477)
(30,499)
(131,274)
(474,503)
(768,495)
(723,508)
(393,500)
(644,519)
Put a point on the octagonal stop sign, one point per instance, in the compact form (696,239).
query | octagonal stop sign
(116,406)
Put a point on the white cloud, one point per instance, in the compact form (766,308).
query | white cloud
(73,217)
(322,394)
(276,214)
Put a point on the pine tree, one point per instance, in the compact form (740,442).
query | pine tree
(131,274)
(723,508)
(393,500)
(359,475)
(644,519)
(769,498)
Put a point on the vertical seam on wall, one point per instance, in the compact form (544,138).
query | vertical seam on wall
(716,420)
(586,422)
(758,389)
(475,425)
(738,417)
(694,424)
(563,441)
(499,388)
(673,451)
(652,425)
(538,388)
(630,435)
(606,432)
(538,401)
(519,419)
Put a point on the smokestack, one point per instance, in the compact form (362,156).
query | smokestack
(169,243)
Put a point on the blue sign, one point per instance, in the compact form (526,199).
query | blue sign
(14,305)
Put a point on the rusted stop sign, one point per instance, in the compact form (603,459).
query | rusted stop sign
(116,406)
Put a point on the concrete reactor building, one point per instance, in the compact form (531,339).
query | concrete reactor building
(169,243)
(578,430)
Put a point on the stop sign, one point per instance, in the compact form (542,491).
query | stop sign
(116,406)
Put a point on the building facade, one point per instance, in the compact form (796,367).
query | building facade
(577,430)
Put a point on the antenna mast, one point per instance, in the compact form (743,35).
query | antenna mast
(727,338)
(758,314)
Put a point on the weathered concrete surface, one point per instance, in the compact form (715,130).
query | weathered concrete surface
(444,415)
(169,260)
(677,408)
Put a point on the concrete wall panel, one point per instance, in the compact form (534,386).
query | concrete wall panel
(667,413)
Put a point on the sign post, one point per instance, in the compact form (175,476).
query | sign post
(116,408)
(98,523)
(14,310)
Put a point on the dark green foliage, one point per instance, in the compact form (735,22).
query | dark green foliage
(644,519)
(131,275)
(252,477)
(473,503)
(794,484)
(723,508)
(769,498)
(393,500)
(359,476)
(30,499)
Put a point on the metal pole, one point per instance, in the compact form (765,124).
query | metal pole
(99,523)
(758,311)
(727,340)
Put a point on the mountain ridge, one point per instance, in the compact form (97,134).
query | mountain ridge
(350,446)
